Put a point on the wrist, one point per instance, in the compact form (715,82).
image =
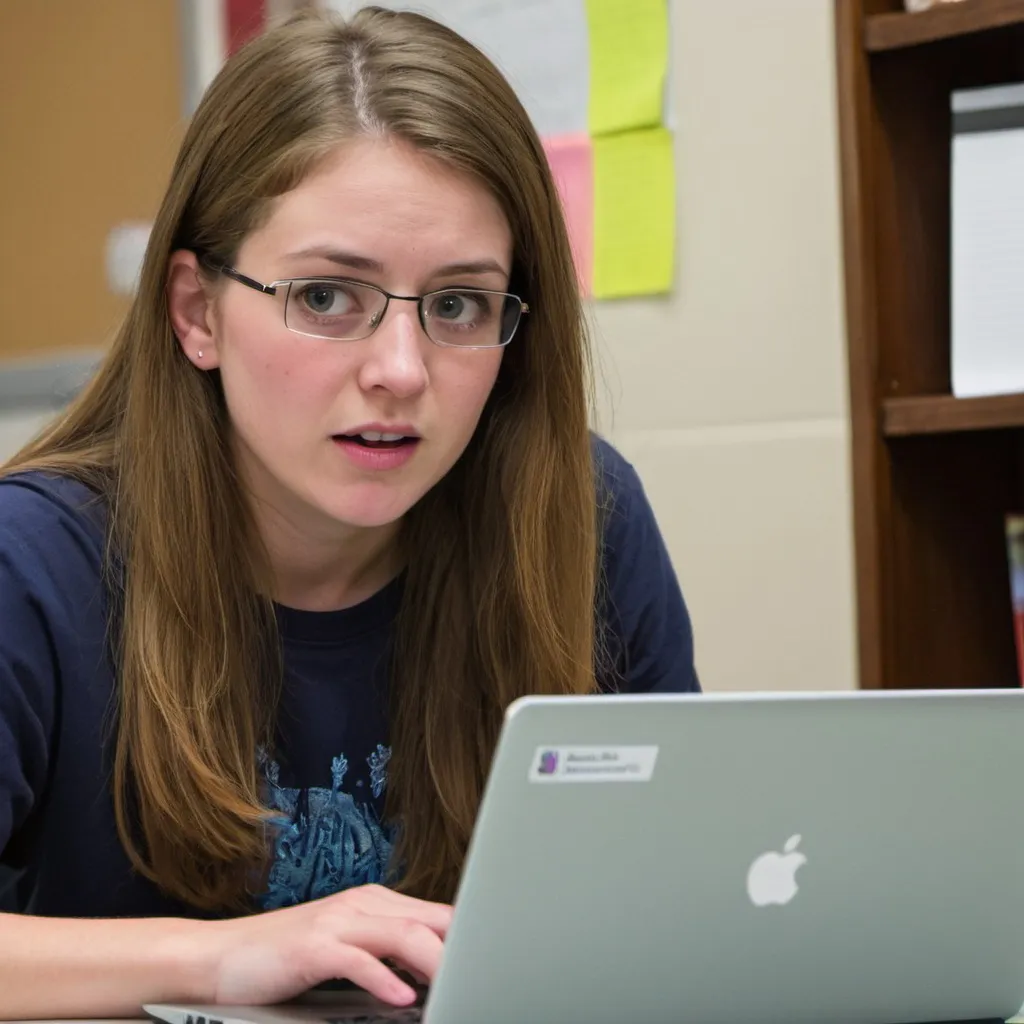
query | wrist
(189,953)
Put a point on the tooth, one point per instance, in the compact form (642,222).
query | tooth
(371,435)
(391,437)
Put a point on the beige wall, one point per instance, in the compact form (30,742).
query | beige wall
(729,396)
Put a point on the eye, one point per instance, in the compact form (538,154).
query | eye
(459,308)
(325,298)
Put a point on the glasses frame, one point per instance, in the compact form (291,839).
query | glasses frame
(274,286)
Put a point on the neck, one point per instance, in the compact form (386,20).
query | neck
(327,572)
(316,563)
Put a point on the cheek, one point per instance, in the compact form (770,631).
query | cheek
(267,372)
(465,384)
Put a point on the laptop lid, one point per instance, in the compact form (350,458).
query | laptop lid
(719,857)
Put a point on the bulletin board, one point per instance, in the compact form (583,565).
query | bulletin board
(90,119)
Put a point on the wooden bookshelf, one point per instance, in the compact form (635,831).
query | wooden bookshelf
(889,30)
(933,476)
(943,414)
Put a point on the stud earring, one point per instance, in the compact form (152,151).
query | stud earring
(200,353)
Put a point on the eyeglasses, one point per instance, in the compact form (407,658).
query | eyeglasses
(342,310)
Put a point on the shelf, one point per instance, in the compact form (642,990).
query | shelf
(944,414)
(899,29)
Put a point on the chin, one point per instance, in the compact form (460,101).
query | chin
(367,515)
(365,520)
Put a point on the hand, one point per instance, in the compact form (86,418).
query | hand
(275,956)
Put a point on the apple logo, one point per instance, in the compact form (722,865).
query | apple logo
(772,876)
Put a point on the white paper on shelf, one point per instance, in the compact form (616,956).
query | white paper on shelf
(987,260)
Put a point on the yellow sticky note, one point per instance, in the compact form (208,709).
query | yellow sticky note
(628,63)
(634,213)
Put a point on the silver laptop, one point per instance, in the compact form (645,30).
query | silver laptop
(854,857)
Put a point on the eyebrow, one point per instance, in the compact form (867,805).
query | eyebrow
(354,261)
(473,267)
(343,259)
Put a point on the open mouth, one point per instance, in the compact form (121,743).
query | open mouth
(373,439)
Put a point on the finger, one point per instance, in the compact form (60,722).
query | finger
(413,943)
(377,899)
(342,960)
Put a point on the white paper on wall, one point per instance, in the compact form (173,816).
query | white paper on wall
(541,46)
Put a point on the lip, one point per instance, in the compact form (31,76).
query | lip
(377,459)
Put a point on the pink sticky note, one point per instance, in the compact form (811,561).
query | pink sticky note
(571,158)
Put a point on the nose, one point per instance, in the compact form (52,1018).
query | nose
(395,353)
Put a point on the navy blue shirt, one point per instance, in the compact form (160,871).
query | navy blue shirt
(329,774)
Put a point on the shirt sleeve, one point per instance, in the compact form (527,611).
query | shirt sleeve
(28,667)
(647,634)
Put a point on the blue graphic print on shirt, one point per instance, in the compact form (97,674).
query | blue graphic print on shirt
(324,840)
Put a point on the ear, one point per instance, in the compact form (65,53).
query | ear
(190,305)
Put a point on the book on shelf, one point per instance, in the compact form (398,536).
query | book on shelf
(1015,557)
(924,5)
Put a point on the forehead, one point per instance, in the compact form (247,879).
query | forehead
(390,202)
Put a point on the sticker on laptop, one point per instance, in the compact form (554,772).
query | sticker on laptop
(593,764)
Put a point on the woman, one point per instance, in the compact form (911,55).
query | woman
(328,506)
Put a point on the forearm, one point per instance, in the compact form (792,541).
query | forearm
(56,967)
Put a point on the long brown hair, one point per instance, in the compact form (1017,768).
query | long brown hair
(501,556)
